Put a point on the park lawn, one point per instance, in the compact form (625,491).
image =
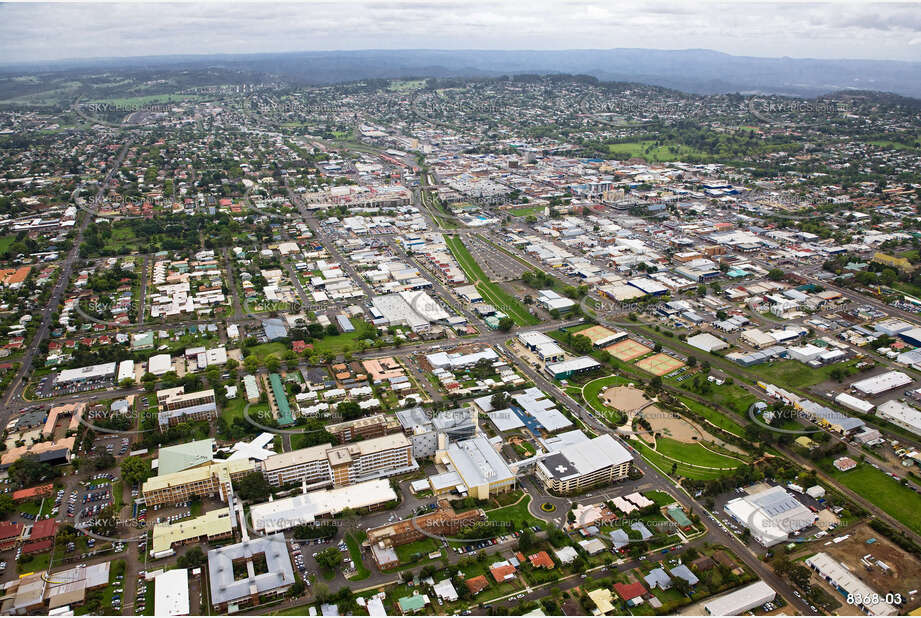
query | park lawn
(340,343)
(525,449)
(665,465)
(417,550)
(515,514)
(6,242)
(401,85)
(122,240)
(884,143)
(714,416)
(234,409)
(694,454)
(649,151)
(265,350)
(29,507)
(117,494)
(524,212)
(884,491)
(661,498)
(493,293)
(592,392)
(38,562)
(150,99)
(353,540)
(794,374)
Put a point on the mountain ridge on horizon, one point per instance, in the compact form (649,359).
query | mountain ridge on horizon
(698,71)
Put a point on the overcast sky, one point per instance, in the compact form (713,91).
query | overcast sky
(797,29)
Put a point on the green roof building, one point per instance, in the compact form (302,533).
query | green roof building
(413,604)
(281,400)
(181,457)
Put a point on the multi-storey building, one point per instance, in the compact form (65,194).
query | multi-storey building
(364,428)
(479,466)
(339,466)
(213,479)
(175,406)
(308,465)
(582,465)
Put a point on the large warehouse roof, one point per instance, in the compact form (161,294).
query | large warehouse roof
(771,515)
(882,383)
(741,600)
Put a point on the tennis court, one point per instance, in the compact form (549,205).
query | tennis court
(596,333)
(659,364)
(627,350)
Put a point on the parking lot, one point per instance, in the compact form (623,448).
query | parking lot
(498,265)
(116,445)
(47,387)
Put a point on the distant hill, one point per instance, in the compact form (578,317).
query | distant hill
(695,70)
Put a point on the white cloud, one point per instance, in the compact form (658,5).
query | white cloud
(822,30)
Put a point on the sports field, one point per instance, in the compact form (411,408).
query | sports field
(659,364)
(627,350)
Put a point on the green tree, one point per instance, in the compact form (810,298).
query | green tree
(135,470)
(330,558)
(253,487)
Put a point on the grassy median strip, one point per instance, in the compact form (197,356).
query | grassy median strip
(492,293)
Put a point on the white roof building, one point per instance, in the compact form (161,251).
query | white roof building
(445,590)
(567,554)
(742,600)
(901,414)
(171,593)
(82,374)
(882,383)
(125,370)
(854,403)
(851,586)
(159,364)
(285,513)
(770,515)
(707,342)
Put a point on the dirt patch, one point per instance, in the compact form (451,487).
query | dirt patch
(624,398)
(677,428)
(904,572)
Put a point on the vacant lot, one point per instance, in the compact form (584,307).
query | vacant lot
(904,574)
(794,374)
(885,492)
